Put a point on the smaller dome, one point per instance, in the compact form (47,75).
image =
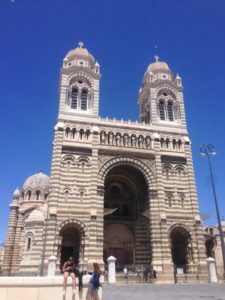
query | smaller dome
(80,52)
(35,216)
(158,66)
(39,180)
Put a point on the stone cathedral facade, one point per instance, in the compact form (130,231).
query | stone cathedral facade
(117,187)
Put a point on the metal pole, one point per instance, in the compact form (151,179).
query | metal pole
(218,215)
(41,270)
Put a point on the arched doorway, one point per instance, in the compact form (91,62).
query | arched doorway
(180,247)
(126,204)
(71,243)
(119,242)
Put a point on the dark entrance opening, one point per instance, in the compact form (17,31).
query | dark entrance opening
(179,247)
(126,221)
(70,244)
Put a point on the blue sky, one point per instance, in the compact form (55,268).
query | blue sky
(121,34)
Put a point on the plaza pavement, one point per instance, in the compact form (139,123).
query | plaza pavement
(184,291)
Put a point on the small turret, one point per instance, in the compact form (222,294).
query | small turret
(178,80)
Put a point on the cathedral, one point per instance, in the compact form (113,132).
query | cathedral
(116,187)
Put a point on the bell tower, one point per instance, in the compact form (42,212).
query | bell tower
(79,85)
(161,97)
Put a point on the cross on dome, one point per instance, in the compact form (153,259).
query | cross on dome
(156,58)
(81,44)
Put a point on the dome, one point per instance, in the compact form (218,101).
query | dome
(35,216)
(80,52)
(39,180)
(158,66)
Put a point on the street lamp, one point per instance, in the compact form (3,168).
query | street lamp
(208,150)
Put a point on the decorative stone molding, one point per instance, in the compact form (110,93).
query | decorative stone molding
(83,229)
(130,161)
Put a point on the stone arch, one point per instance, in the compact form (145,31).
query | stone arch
(179,225)
(72,235)
(169,91)
(181,246)
(127,184)
(80,76)
(130,161)
(83,229)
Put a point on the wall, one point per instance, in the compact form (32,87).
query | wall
(40,288)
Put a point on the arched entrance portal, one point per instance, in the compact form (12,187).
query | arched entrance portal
(71,243)
(180,247)
(126,222)
(119,242)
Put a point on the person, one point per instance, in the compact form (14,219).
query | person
(69,270)
(155,275)
(80,281)
(95,282)
(145,275)
(125,272)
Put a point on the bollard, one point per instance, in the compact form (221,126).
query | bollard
(211,269)
(111,269)
(51,265)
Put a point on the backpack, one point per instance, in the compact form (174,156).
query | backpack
(95,280)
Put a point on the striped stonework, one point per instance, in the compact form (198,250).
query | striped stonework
(117,187)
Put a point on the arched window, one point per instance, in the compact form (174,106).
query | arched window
(162,142)
(170,110)
(84,95)
(174,144)
(167,143)
(161,110)
(74,96)
(28,195)
(67,132)
(38,195)
(179,144)
(29,243)
(81,134)
(66,195)
(73,133)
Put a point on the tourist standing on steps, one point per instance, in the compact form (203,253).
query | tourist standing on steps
(95,282)
(69,270)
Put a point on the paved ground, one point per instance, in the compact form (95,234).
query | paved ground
(164,292)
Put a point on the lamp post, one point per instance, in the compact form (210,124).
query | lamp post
(208,150)
(41,270)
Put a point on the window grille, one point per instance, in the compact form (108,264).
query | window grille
(74,95)
(84,100)
(170,111)
(161,110)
